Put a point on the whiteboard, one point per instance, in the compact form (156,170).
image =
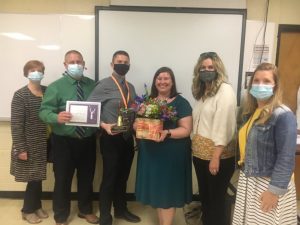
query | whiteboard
(172,37)
(154,37)
(63,32)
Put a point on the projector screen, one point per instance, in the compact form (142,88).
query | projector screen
(172,37)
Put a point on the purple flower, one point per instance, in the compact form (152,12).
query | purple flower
(164,117)
(139,99)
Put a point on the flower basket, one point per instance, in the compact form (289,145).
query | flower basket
(148,128)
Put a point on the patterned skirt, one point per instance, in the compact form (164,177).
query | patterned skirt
(247,205)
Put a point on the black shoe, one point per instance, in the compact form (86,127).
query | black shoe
(128,216)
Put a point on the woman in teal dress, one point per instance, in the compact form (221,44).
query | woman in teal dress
(164,171)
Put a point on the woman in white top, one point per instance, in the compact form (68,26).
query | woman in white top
(214,126)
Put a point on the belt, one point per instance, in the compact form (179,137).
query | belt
(75,137)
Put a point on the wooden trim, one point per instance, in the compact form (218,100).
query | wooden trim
(47,195)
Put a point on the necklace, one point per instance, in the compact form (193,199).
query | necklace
(167,99)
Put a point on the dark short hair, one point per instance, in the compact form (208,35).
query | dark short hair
(33,64)
(120,52)
(154,91)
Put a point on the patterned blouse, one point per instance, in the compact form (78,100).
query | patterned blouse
(29,134)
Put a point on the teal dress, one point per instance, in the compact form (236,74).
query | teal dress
(164,169)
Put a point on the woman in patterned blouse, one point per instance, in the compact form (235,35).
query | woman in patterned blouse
(29,135)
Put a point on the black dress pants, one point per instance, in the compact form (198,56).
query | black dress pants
(117,154)
(213,190)
(32,197)
(70,154)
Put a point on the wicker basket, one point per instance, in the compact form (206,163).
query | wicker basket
(148,128)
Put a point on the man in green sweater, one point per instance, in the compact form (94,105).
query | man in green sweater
(74,148)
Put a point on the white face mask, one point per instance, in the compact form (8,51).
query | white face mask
(75,70)
(35,76)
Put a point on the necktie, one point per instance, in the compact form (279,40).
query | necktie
(80,96)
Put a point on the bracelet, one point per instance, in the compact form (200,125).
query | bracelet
(169,134)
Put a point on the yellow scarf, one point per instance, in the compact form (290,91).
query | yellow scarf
(243,134)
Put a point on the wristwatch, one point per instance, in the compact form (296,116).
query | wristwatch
(168,134)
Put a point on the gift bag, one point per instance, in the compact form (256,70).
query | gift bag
(148,128)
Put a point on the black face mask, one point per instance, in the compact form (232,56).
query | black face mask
(208,76)
(121,69)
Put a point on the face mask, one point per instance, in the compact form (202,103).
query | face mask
(121,69)
(208,76)
(261,92)
(35,76)
(75,70)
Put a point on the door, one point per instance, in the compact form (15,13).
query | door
(288,62)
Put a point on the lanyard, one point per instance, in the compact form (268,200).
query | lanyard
(122,93)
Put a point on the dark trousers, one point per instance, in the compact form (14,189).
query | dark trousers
(70,154)
(32,197)
(117,154)
(213,190)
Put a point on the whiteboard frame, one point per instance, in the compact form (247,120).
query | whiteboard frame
(242,12)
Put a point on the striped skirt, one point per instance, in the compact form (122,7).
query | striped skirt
(247,205)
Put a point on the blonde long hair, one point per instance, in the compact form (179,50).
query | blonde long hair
(250,104)
(199,87)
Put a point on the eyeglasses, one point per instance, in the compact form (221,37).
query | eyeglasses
(208,54)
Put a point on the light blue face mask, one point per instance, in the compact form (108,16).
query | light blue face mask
(35,76)
(75,70)
(262,91)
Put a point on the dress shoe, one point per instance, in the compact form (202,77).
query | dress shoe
(128,216)
(90,218)
(31,218)
(42,214)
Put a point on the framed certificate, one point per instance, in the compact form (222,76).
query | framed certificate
(84,113)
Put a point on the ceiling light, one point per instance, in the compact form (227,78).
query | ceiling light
(49,47)
(18,36)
